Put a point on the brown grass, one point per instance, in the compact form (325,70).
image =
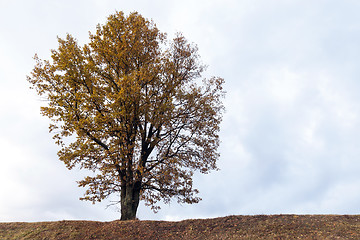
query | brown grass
(232,227)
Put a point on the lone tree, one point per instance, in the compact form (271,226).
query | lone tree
(135,110)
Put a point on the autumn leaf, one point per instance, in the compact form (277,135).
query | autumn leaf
(129,106)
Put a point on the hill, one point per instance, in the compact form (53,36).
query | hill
(231,227)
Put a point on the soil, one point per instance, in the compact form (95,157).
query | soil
(231,227)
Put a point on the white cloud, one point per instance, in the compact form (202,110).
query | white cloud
(290,134)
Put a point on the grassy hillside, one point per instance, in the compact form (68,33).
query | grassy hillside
(232,227)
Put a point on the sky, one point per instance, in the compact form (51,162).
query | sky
(290,137)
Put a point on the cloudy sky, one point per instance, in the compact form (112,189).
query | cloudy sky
(290,135)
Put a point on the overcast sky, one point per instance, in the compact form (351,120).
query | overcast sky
(290,135)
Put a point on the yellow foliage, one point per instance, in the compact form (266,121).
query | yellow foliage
(133,103)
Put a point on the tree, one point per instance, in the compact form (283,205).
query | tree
(130,107)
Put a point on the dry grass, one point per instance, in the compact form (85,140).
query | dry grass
(232,227)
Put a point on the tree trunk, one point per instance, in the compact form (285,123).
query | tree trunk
(130,197)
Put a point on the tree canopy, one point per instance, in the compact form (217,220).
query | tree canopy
(132,107)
